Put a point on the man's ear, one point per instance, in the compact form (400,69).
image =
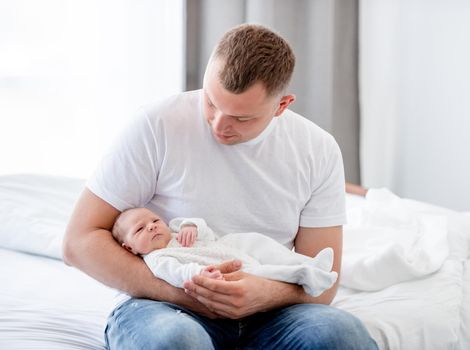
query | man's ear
(283,104)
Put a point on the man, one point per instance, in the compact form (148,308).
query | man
(233,154)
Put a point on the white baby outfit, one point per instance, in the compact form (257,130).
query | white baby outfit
(260,255)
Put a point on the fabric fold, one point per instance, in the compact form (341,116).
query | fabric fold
(387,242)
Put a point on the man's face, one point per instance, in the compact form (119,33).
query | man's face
(144,231)
(237,118)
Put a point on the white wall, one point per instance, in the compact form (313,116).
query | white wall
(72,73)
(415,99)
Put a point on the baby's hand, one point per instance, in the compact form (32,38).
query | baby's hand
(212,272)
(187,236)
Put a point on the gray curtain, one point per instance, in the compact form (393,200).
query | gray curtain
(323,35)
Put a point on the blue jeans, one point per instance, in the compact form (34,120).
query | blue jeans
(147,324)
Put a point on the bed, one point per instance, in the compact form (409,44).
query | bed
(415,254)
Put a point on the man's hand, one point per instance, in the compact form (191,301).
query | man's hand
(240,294)
(187,236)
(179,297)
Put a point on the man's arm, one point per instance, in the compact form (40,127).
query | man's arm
(242,294)
(89,246)
(310,241)
(356,189)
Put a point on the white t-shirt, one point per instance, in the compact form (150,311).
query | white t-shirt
(167,160)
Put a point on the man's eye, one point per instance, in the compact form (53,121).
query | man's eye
(243,119)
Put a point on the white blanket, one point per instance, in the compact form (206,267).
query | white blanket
(260,255)
(387,242)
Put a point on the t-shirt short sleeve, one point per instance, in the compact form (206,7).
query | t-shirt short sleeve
(126,176)
(326,206)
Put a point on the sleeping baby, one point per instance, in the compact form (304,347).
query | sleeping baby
(188,247)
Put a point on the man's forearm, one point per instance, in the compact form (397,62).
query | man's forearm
(97,254)
(285,294)
(89,246)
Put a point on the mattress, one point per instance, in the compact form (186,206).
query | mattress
(46,304)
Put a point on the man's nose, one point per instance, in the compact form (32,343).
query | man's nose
(220,123)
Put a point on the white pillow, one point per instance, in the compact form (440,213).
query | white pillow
(34,211)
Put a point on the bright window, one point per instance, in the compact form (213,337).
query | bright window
(72,73)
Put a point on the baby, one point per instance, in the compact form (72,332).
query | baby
(141,231)
(188,247)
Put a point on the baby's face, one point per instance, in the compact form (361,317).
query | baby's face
(144,231)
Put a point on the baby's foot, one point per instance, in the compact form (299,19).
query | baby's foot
(212,272)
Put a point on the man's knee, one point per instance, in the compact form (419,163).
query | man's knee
(153,325)
(325,327)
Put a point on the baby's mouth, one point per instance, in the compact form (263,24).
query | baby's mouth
(156,235)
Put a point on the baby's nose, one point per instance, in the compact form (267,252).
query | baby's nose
(150,227)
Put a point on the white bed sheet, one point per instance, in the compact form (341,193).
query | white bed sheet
(423,314)
(47,305)
(428,313)
(387,241)
(464,338)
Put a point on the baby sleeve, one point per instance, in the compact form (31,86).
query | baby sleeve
(204,232)
(171,270)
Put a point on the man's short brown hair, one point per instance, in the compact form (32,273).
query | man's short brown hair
(253,53)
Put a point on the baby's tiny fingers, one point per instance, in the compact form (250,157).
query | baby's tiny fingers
(193,237)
